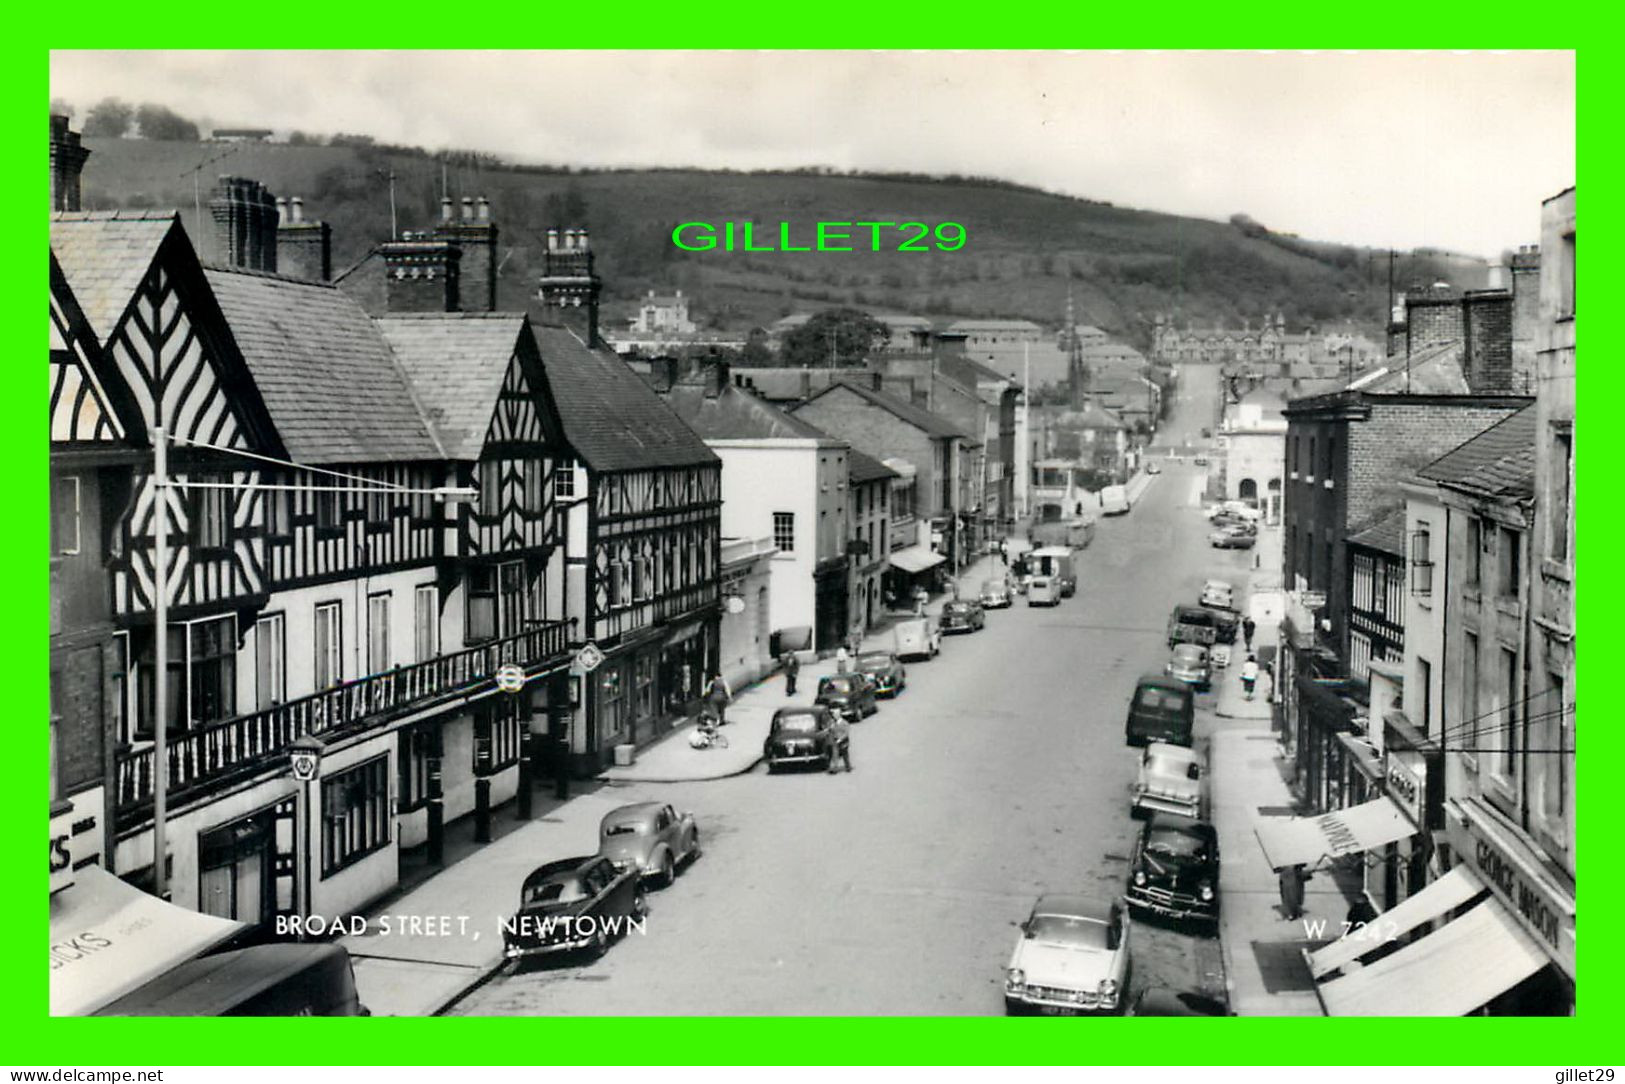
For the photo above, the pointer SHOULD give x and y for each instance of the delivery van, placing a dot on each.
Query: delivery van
(1043, 591)
(267, 980)
(1056, 562)
(1163, 709)
(917, 638)
(1114, 500)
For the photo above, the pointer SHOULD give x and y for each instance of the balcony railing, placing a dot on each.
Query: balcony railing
(243, 743)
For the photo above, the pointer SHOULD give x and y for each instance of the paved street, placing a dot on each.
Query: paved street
(1000, 773)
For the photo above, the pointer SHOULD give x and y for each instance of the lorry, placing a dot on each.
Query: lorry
(1056, 563)
(1114, 500)
(1193, 625)
(1077, 532)
(281, 979)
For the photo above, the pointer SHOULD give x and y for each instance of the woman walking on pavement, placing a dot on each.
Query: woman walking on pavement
(1249, 675)
(719, 696)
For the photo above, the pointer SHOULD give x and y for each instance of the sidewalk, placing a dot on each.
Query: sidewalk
(672, 760)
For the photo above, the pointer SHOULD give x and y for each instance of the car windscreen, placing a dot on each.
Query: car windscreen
(1171, 843)
(993, 586)
(1069, 930)
(1155, 698)
(548, 892)
(800, 723)
(1167, 765)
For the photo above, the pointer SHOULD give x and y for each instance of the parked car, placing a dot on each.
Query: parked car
(650, 837)
(1043, 591)
(1234, 537)
(574, 904)
(1073, 956)
(963, 616)
(1114, 501)
(884, 671)
(1192, 625)
(1230, 519)
(1219, 593)
(801, 736)
(1175, 870)
(1162, 709)
(1170, 781)
(917, 638)
(1201, 461)
(997, 593)
(1153, 467)
(1161, 1001)
(853, 694)
(1219, 656)
(1189, 664)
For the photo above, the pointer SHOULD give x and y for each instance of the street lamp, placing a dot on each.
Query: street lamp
(305, 760)
(162, 484)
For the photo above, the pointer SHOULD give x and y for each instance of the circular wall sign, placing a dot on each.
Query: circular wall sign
(736, 605)
(510, 677)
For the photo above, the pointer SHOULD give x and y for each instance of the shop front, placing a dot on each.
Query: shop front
(1323, 713)
(912, 568)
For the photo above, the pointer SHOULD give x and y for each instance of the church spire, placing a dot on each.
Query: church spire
(1077, 376)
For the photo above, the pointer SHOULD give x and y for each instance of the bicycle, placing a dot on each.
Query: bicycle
(707, 735)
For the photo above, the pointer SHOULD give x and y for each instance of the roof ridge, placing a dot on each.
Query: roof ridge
(259, 273)
(504, 315)
(116, 215)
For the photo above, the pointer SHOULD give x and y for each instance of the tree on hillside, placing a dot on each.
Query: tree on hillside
(161, 122)
(109, 117)
(835, 337)
(756, 350)
(566, 210)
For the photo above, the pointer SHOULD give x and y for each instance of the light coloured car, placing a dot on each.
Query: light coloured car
(1219, 593)
(997, 593)
(1073, 956)
(652, 838)
(918, 638)
(1232, 538)
(1189, 664)
(1170, 781)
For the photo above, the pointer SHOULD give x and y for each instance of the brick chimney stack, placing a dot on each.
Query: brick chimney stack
(421, 274)
(67, 163)
(568, 288)
(476, 235)
(245, 219)
(1525, 274)
(304, 249)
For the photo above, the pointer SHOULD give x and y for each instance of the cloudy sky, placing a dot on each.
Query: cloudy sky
(1402, 149)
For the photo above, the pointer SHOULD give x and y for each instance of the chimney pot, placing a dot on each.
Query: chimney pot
(296, 207)
(482, 209)
(552, 240)
(282, 210)
(581, 240)
(468, 209)
(445, 208)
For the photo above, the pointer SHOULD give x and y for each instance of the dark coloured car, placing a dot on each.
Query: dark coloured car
(650, 837)
(1175, 871)
(853, 694)
(1161, 1001)
(963, 616)
(575, 904)
(801, 736)
(1162, 709)
(1234, 537)
(885, 671)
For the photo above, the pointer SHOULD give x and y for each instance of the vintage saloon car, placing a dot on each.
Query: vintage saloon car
(997, 594)
(1234, 537)
(885, 671)
(1170, 781)
(1175, 871)
(1189, 663)
(574, 904)
(650, 837)
(801, 736)
(963, 616)
(1073, 956)
(853, 694)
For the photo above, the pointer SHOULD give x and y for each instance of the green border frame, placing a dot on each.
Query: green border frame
(1588, 1038)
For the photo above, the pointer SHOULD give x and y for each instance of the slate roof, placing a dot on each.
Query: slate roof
(326, 373)
(456, 363)
(1435, 370)
(984, 371)
(934, 424)
(865, 468)
(1386, 534)
(994, 325)
(104, 255)
(736, 414)
(1499, 462)
(1092, 416)
(612, 418)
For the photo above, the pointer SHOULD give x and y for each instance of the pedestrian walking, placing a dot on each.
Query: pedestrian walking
(719, 696)
(841, 659)
(840, 744)
(1249, 676)
(792, 668)
(1248, 625)
(854, 644)
(920, 599)
(1292, 881)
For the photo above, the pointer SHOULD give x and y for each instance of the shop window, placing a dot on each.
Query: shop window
(234, 870)
(355, 814)
(417, 749)
(645, 671)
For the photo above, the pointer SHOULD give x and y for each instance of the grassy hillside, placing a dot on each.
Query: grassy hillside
(1025, 248)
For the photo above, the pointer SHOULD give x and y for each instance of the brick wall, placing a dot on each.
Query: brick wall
(1430, 321)
(1399, 437)
(1525, 316)
(1487, 317)
(880, 434)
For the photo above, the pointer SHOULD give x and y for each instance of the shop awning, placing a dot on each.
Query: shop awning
(1439, 898)
(1450, 972)
(1307, 841)
(108, 937)
(916, 559)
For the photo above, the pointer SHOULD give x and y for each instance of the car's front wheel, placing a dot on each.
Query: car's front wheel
(668, 871)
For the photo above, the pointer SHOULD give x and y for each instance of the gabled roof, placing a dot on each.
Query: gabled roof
(330, 383)
(920, 418)
(611, 417)
(105, 255)
(983, 371)
(865, 468)
(1092, 416)
(456, 363)
(1499, 462)
(1386, 534)
(736, 414)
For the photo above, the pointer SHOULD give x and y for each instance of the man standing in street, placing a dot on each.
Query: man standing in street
(719, 696)
(1247, 628)
(840, 747)
(1292, 879)
(792, 667)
